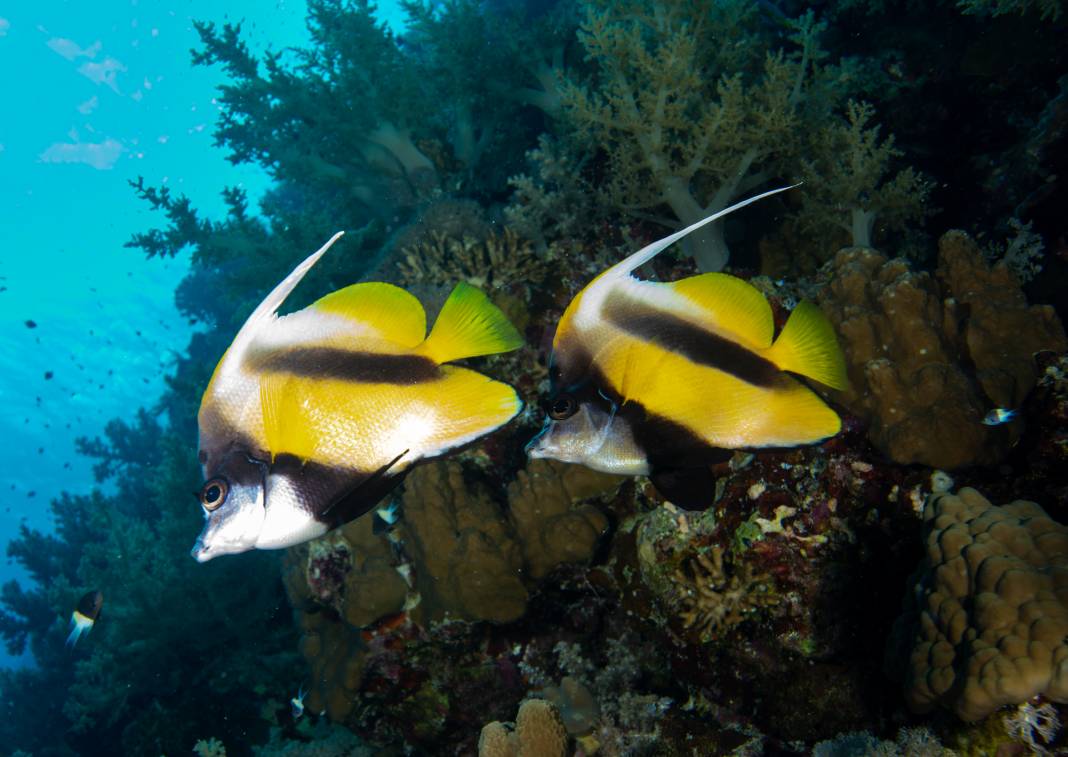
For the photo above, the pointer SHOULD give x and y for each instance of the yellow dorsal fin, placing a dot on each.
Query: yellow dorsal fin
(469, 325)
(392, 313)
(283, 425)
(733, 306)
(808, 346)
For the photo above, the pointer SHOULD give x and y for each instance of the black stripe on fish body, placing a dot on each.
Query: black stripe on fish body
(334, 496)
(691, 341)
(345, 365)
(89, 605)
(667, 444)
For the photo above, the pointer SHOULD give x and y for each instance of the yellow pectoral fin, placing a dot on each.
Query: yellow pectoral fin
(730, 306)
(287, 424)
(386, 310)
(469, 325)
(808, 346)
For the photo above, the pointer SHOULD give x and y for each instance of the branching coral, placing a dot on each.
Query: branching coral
(555, 202)
(849, 183)
(712, 599)
(497, 262)
(686, 118)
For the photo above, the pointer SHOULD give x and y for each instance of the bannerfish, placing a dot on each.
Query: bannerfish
(999, 415)
(311, 418)
(84, 616)
(664, 379)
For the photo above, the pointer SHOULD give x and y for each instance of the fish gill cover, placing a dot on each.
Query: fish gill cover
(545, 141)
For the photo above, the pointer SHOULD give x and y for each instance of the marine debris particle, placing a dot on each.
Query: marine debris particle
(31, 324)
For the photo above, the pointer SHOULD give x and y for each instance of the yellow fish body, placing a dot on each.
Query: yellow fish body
(650, 377)
(312, 417)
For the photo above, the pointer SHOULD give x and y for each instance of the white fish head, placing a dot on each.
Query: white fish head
(233, 502)
(588, 431)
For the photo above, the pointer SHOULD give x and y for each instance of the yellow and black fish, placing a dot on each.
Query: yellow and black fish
(312, 417)
(84, 616)
(656, 378)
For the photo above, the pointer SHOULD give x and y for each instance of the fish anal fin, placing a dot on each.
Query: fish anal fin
(469, 325)
(390, 312)
(730, 305)
(808, 346)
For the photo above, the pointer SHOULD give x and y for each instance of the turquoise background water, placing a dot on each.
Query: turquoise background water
(94, 95)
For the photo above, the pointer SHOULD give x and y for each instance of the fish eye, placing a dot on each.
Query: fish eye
(213, 493)
(563, 407)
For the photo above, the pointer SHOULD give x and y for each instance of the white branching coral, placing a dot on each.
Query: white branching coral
(849, 183)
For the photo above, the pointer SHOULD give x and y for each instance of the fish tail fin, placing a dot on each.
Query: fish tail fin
(78, 628)
(647, 253)
(808, 346)
(469, 325)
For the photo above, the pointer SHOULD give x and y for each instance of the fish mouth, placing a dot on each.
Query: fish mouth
(201, 552)
(533, 448)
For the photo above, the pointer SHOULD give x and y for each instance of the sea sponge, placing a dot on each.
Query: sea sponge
(987, 617)
(928, 357)
(542, 507)
(539, 732)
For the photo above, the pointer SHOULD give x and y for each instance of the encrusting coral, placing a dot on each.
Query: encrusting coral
(539, 732)
(546, 509)
(987, 618)
(468, 562)
(928, 356)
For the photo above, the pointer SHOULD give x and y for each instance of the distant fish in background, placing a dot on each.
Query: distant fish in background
(663, 379)
(999, 415)
(84, 616)
(297, 703)
(312, 417)
(386, 517)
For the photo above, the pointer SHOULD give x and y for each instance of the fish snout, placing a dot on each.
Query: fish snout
(201, 552)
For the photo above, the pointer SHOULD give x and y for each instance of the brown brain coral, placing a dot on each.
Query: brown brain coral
(929, 356)
(987, 619)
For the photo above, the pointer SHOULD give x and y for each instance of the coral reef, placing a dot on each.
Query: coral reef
(849, 184)
(692, 107)
(929, 356)
(712, 600)
(986, 620)
(497, 262)
(538, 732)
